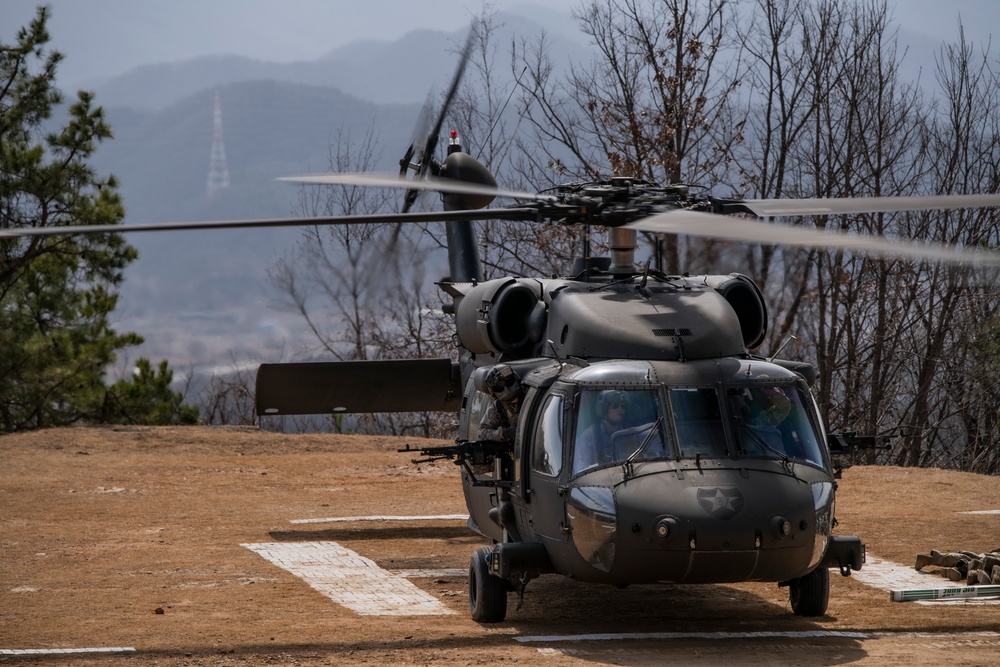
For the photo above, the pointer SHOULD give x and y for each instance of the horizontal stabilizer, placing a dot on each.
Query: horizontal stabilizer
(393, 385)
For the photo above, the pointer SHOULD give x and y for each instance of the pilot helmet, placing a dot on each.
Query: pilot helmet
(609, 397)
(502, 382)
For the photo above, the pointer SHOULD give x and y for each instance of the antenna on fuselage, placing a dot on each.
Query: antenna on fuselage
(780, 348)
(552, 346)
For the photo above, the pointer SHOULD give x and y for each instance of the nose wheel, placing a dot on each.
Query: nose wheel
(810, 594)
(487, 592)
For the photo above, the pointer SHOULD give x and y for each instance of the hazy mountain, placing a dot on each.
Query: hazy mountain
(197, 297)
(211, 283)
(271, 129)
(399, 71)
(106, 38)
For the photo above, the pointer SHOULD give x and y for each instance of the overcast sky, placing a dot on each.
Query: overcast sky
(103, 38)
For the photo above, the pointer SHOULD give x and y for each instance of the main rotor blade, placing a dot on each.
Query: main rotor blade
(778, 207)
(426, 183)
(426, 157)
(711, 225)
(445, 216)
(418, 138)
(432, 138)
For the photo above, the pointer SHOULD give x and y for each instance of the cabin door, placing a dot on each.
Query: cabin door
(545, 500)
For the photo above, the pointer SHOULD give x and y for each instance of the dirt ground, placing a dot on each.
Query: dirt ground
(132, 538)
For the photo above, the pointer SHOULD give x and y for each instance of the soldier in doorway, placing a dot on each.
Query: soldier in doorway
(499, 422)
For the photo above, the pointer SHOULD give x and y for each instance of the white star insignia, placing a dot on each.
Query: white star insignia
(721, 501)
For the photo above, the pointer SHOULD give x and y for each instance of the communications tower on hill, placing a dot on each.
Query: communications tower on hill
(218, 172)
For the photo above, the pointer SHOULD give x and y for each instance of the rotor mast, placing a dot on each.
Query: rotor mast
(464, 265)
(622, 244)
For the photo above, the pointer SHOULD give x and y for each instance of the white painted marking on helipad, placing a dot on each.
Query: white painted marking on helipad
(337, 519)
(64, 651)
(982, 512)
(619, 636)
(888, 576)
(805, 634)
(351, 580)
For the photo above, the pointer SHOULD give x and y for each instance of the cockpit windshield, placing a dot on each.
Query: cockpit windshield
(698, 418)
(618, 425)
(773, 422)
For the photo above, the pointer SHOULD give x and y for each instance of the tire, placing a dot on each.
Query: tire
(487, 593)
(810, 594)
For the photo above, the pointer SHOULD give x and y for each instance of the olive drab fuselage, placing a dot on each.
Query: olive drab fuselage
(689, 493)
(719, 470)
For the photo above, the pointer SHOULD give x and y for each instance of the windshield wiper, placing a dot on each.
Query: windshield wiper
(786, 462)
(627, 463)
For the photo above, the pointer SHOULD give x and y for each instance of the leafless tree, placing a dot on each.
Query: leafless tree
(888, 337)
(228, 399)
(954, 391)
(657, 101)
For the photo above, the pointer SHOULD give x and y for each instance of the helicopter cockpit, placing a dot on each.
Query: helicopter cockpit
(772, 420)
(763, 419)
(616, 425)
(653, 460)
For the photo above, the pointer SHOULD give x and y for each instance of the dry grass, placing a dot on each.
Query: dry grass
(102, 527)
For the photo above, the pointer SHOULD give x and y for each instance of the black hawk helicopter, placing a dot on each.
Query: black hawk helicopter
(649, 444)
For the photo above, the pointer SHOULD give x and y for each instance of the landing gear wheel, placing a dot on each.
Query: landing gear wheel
(810, 594)
(487, 593)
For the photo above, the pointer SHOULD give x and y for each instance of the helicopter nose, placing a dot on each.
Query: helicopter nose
(717, 527)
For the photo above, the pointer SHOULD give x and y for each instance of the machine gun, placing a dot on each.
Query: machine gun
(475, 456)
(848, 442)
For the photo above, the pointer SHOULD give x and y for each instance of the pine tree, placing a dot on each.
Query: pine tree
(146, 398)
(56, 293)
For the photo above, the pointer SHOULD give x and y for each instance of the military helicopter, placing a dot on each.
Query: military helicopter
(649, 444)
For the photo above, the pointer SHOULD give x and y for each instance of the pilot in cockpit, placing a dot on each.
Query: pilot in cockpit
(762, 410)
(593, 446)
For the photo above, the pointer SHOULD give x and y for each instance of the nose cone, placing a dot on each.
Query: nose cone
(715, 526)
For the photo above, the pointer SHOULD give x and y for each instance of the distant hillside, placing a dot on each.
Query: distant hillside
(200, 297)
(271, 129)
(401, 71)
(190, 289)
(379, 72)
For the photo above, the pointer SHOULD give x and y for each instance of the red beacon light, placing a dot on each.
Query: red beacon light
(454, 145)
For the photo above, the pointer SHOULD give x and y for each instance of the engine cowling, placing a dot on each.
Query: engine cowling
(501, 316)
(744, 296)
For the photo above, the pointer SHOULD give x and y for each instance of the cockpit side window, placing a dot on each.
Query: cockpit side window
(616, 425)
(476, 408)
(773, 421)
(546, 453)
(698, 420)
